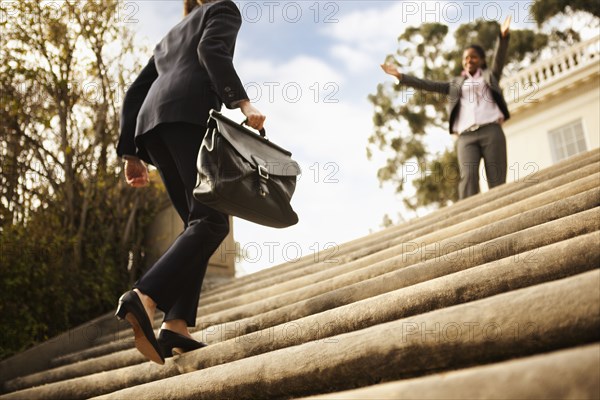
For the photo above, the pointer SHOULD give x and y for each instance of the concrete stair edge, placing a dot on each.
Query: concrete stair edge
(562, 374)
(96, 330)
(394, 353)
(531, 268)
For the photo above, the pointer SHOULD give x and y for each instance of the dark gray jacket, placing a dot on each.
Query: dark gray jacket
(190, 72)
(453, 88)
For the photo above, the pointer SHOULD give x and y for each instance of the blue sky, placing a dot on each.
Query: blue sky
(311, 74)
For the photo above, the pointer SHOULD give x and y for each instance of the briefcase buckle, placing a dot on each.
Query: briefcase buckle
(263, 172)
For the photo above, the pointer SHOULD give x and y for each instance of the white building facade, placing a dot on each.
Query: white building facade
(555, 110)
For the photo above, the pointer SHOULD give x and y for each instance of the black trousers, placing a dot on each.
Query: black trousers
(488, 142)
(175, 280)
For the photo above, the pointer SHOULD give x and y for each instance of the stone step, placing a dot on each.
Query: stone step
(507, 245)
(542, 318)
(514, 220)
(398, 273)
(518, 237)
(39, 358)
(120, 341)
(518, 270)
(563, 374)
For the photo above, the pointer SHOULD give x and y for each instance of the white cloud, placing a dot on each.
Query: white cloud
(302, 69)
(152, 19)
(362, 39)
(354, 60)
(367, 27)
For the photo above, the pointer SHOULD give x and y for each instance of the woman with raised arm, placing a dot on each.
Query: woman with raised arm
(477, 109)
(163, 123)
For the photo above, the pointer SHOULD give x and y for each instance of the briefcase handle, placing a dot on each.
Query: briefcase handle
(262, 132)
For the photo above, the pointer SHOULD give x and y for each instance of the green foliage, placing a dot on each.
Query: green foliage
(543, 10)
(30, 278)
(439, 186)
(565, 18)
(68, 222)
(43, 292)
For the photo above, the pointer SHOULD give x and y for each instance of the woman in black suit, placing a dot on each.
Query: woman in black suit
(163, 123)
(477, 109)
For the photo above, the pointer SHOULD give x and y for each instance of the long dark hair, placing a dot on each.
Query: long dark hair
(189, 5)
(480, 52)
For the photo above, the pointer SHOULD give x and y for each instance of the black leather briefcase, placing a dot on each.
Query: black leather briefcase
(242, 173)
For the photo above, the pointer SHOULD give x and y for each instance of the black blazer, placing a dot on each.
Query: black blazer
(453, 88)
(190, 73)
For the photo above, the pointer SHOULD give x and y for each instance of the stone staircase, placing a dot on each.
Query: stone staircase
(497, 296)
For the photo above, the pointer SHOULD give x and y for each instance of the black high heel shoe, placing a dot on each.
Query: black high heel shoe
(172, 343)
(132, 309)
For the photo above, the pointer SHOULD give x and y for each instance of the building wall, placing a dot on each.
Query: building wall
(526, 132)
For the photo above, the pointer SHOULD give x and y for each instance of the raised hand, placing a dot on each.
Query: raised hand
(505, 26)
(391, 69)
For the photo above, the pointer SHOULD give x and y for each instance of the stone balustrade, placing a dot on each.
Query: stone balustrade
(525, 86)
